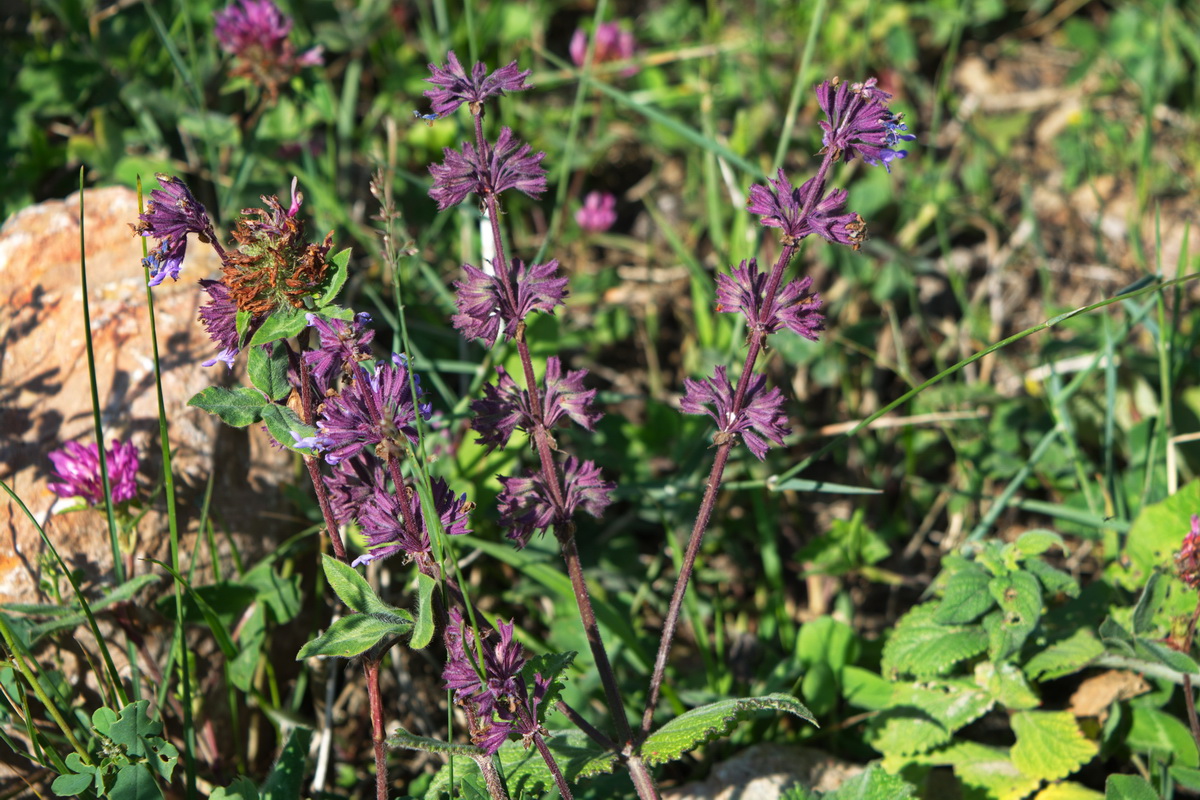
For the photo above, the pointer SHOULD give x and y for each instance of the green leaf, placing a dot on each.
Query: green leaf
(268, 371)
(1065, 657)
(1157, 651)
(287, 776)
(1129, 787)
(965, 598)
(550, 666)
(70, 785)
(403, 740)
(693, 728)
(242, 788)
(1007, 685)
(337, 279)
(1019, 596)
(1162, 735)
(352, 588)
(1155, 536)
(923, 716)
(1068, 790)
(862, 688)
(848, 545)
(286, 428)
(282, 323)
(921, 647)
(986, 768)
(1148, 604)
(526, 774)
(1034, 543)
(355, 634)
(1049, 745)
(423, 630)
(1187, 777)
(67, 617)
(237, 407)
(1054, 581)
(134, 782)
(873, 783)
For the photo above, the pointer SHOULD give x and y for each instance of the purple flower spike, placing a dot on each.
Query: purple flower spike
(761, 418)
(505, 165)
(172, 213)
(458, 88)
(1188, 558)
(612, 44)
(795, 307)
(383, 523)
(256, 34)
(219, 318)
(485, 302)
(79, 468)
(860, 123)
(375, 410)
(783, 206)
(526, 505)
(598, 213)
(342, 346)
(351, 484)
(505, 407)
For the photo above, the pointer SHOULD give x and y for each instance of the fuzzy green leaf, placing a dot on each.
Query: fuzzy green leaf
(1065, 657)
(1034, 543)
(423, 629)
(281, 323)
(1049, 744)
(1129, 787)
(335, 281)
(550, 666)
(923, 716)
(70, 785)
(355, 634)
(1019, 596)
(874, 783)
(268, 371)
(1162, 735)
(286, 427)
(237, 407)
(1054, 581)
(922, 648)
(286, 778)
(965, 598)
(978, 766)
(693, 728)
(1006, 684)
(1157, 651)
(352, 588)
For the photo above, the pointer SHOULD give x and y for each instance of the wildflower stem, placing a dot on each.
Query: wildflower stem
(371, 669)
(563, 788)
(308, 406)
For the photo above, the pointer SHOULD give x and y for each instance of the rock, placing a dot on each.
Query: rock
(45, 397)
(765, 772)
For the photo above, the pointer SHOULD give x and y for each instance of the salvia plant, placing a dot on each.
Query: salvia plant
(1001, 624)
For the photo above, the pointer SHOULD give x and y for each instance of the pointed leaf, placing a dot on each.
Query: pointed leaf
(1049, 745)
(287, 776)
(1065, 657)
(423, 629)
(352, 588)
(1034, 543)
(1162, 735)
(282, 323)
(965, 598)
(693, 728)
(268, 371)
(237, 407)
(287, 428)
(335, 281)
(921, 647)
(1019, 596)
(355, 634)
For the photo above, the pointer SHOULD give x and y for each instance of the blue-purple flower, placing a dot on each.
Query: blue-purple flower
(376, 410)
(860, 123)
(78, 467)
(760, 418)
(527, 505)
(255, 33)
(351, 482)
(485, 302)
(797, 213)
(171, 214)
(341, 346)
(793, 307)
(508, 164)
(382, 520)
(219, 318)
(506, 407)
(456, 87)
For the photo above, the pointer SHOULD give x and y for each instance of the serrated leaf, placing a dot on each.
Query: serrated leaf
(873, 783)
(1065, 657)
(1019, 596)
(965, 597)
(550, 666)
(1068, 790)
(353, 589)
(337, 279)
(1128, 787)
(921, 647)
(1007, 685)
(693, 728)
(526, 774)
(403, 740)
(1157, 651)
(352, 635)
(1162, 735)
(987, 768)
(237, 407)
(1049, 745)
(1154, 536)
(282, 323)
(1054, 581)
(286, 427)
(1034, 543)
(923, 716)
(423, 629)
(268, 371)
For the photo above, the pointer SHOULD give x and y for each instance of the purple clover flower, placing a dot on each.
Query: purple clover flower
(342, 345)
(219, 318)
(351, 483)
(79, 468)
(456, 87)
(502, 166)
(172, 213)
(487, 301)
(784, 206)
(860, 123)
(795, 307)
(612, 44)
(598, 212)
(760, 418)
(255, 32)
(383, 524)
(1187, 560)
(506, 407)
(526, 504)
(376, 409)
(499, 703)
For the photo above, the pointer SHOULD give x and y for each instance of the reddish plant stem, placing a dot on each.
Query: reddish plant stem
(1189, 694)
(371, 669)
